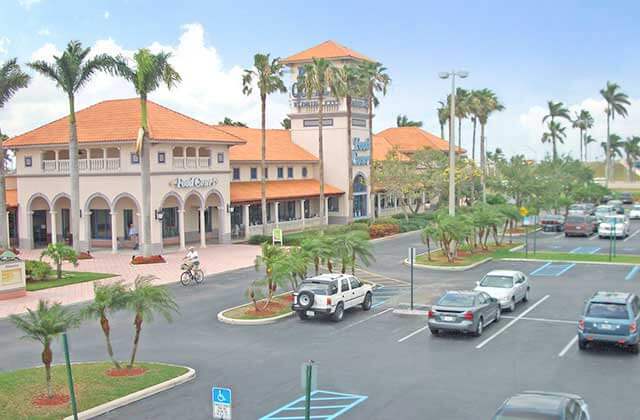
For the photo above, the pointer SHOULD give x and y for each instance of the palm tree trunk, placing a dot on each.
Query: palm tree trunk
(263, 151)
(555, 150)
(350, 159)
(629, 169)
(47, 358)
(442, 131)
(581, 136)
(321, 157)
(371, 211)
(138, 324)
(106, 329)
(483, 159)
(4, 233)
(607, 157)
(75, 177)
(473, 143)
(460, 132)
(353, 263)
(145, 168)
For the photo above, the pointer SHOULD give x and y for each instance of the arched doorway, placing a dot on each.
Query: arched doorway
(61, 219)
(214, 217)
(127, 219)
(40, 221)
(360, 197)
(192, 207)
(171, 226)
(98, 210)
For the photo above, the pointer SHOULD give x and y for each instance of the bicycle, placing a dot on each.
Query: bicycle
(191, 273)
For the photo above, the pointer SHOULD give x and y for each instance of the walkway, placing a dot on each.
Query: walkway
(214, 259)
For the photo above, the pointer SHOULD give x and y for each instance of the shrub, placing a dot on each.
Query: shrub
(37, 270)
(360, 226)
(60, 253)
(389, 220)
(259, 239)
(379, 230)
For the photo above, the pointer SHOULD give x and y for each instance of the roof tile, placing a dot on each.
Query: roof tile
(279, 145)
(328, 49)
(244, 192)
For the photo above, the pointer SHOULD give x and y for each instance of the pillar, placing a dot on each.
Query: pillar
(245, 220)
(181, 228)
(326, 211)
(378, 204)
(302, 212)
(54, 228)
(203, 229)
(8, 230)
(114, 232)
(276, 207)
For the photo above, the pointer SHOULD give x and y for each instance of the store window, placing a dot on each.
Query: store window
(333, 204)
(359, 197)
(135, 158)
(254, 173)
(100, 224)
(289, 172)
(162, 157)
(220, 157)
(236, 174)
(280, 172)
(255, 214)
(266, 173)
(304, 172)
(127, 217)
(170, 228)
(28, 161)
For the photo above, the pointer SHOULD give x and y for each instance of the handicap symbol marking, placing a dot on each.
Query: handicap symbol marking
(221, 396)
(552, 269)
(325, 405)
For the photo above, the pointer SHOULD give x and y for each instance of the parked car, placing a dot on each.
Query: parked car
(615, 225)
(330, 295)
(579, 225)
(626, 198)
(581, 208)
(605, 199)
(463, 311)
(611, 317)
(544, 406)
(508, 286)
(603, 211)
(552, 223)
(617, 206)
(634, 213)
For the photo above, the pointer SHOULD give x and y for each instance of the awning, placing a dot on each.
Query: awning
(12, 198)
(250, 192)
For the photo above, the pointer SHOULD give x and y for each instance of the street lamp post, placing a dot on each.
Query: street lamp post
(452, 136)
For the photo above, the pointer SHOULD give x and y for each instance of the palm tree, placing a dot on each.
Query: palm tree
(632, 151)
(377, 81)
(108, 298)
(616, 104)
(588, 139)
(43, 325)
(443, 117)
(403, 121)
(474, 108)
(286, 123)
(267, 74)
(229, 121)
(582, 122)
(149, 72)
(613, 148)
(462, 110)
(318, 248)
(316, 79)
(145, 300)
(71, 71)
(269, 258)
(12, 79)
(350, 246)
(488, 104)
(555, 134)
(556, 110)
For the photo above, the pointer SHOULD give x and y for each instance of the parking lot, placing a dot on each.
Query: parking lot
(375, 364)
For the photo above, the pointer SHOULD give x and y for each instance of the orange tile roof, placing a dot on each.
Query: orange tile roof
(328, 49)
(279, 145)
(119, 120)
(382, 147)
(412, 139)
(12, 198)
(246, 192)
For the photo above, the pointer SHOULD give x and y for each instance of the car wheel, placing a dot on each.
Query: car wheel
(566, 235)
(366, 303)
(498, 314)
(512, 306)
(305, 299)
(479, 327)
(434, 331)
(303, 316)
(582, 344)
(339, 313)
(634, 348)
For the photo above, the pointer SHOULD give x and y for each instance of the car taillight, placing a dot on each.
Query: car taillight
(430, 314)
(328, 301)
(633, 328)
(468, 316)
(581, 325)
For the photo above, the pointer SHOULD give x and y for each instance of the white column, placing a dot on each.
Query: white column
(203, 229)
(276, 207)
(379, 205)
(54, 233)
(114, 232)
(181, 228)
(245, 219)
(8, 231)
(302, 212)
(326, 211)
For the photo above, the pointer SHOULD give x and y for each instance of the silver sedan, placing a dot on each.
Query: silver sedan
(463, 311)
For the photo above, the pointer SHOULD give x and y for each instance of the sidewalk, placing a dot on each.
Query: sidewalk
(214, 259)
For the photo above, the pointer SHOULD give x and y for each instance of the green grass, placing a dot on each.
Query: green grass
(68, 277)
(438, 258)
(93, 387)
(565, 256)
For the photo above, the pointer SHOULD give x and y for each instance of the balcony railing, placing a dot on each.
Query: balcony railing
(191, 162)
(94, 165)
(311, 106)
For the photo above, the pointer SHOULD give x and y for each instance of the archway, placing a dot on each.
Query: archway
(99, 222)
(172, 206)
(61, 205)
(39, 221)
(127, 220)
(193, 204)
(215, 213)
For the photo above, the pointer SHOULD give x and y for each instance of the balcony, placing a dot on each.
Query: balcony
(191, 162)
(95, 165)
(313, 106)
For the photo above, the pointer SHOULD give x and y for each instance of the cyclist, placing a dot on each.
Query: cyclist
(192, 259)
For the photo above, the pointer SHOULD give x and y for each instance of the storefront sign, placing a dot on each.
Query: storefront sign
(195, 182)
(360, 152)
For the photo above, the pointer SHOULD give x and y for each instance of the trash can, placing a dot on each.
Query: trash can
(12, 276)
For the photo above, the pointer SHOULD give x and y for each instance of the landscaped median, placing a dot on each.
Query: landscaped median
(256, 313)
(22, 394)
(464, 260)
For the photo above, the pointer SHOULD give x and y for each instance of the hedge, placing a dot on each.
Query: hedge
(379, 230)
(37, 270)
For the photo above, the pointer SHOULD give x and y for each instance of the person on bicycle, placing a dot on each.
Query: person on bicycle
(192, 258)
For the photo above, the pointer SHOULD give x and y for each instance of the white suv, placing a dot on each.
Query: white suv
(331, 294)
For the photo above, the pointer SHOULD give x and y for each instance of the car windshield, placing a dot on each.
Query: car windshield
(604, 210)
(575, 219)
(319, 288)
(577, 207)
(456, 299)
(608, 310)
(497, 281)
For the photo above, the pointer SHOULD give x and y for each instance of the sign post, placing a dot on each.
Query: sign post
(524, 212)
(412, 258)
(221, 399)
(72, 392)
(535, 232)
(309, 382)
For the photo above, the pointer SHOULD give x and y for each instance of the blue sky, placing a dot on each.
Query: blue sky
(527, 52)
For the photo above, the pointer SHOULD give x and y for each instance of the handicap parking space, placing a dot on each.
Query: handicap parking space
(551, 269)
(325, 405)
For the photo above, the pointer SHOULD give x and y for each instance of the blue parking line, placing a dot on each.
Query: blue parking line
(350, 401)
(534, 272)
(378, 304)
(564, 270)
(632, 273)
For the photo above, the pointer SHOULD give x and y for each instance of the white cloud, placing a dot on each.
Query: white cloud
(107, 14)
(209, 91)
(28, 3)
(4, 44)
(44, 32)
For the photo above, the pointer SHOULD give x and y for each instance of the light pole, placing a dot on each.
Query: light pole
(452, 136)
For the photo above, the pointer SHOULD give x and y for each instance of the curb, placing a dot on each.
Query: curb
(136, 396)
(404, 309)
(446, 268)
(569, 261)
(263, 321)
(397, 235)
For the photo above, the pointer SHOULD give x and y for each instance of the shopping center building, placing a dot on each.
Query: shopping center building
(205, 185)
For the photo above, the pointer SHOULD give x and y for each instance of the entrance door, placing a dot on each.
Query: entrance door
(40, 228)
(66, 223)
(127, 216)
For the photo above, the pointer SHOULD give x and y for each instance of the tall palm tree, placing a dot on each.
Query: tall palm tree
(443, 117)
(12, 79)
(488, 104)
(583, 121)
(612, 148)
(108, 298)
(462, 110)
(149, 72)
(145, 300)
(268, 75)
(377, 81)
(556, 110)
(557, 133)
(318, 78)
(229, 121)
(404, 121)
(617, 103)
(44, 324)
(72, 71)
(286, 123)
(632, 151)
(351, 84)
(588, 139)
(474, 108)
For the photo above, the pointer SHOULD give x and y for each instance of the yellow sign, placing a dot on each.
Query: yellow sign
(523, 211)
(10, 277)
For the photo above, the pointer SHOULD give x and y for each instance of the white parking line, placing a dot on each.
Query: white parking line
(631, 236)
(513, 321)
(558, 236)
(366, 319)
(553, 321)
(568, 346)
(418, 331)
(595, 236)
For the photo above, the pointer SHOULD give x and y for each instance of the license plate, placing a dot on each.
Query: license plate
(310, 313)
(606, 326)
(448, 318)
(578, 227)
